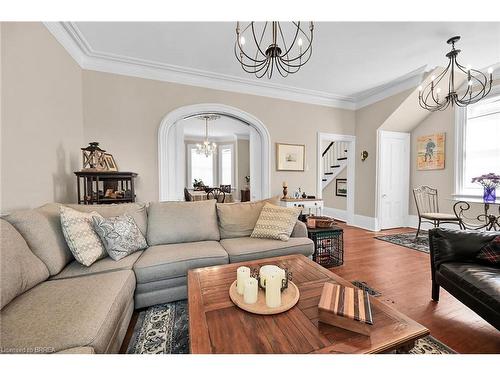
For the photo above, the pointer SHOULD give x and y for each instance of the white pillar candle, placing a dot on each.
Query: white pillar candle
(269, 270)
(251, 291)
(273, 290)
(242, 273)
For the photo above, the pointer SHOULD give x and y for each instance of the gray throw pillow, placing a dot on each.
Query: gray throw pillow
(120, 235)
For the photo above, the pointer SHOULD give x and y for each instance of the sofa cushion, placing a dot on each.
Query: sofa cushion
(120, 235)
(238, 219)
(168, 261)
(248, 248)
(20, 269)
(490, 253)
(136, 210)
(41, 228)
(480, 281)
(83, 241)
(175, 222)
(275, 222)
(63, 314)
(75, 269)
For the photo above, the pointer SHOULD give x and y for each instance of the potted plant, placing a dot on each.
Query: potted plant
(198, 185)
(247, 180)
(489, 181)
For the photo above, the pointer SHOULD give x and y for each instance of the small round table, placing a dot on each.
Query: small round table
(489, 220)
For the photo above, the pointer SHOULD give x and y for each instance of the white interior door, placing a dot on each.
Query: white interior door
(393, 179)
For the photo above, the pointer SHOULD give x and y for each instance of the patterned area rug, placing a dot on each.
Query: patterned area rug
(163, 329)
(408, 240)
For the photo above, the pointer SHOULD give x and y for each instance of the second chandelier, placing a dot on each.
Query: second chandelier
(273, 47)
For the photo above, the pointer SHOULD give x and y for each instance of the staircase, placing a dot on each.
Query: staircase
(334, 161)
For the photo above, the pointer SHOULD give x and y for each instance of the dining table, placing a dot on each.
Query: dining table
(488, 219)
(201, 195)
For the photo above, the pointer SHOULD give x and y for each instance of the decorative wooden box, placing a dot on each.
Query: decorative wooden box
(345, 307)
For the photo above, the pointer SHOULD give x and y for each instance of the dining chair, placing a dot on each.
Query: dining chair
(426, 200)
(226, 188)
(217, 194)
(187, 195)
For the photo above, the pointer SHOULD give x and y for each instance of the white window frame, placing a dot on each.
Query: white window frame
(460, 152)
(220, 147)
(189, 177)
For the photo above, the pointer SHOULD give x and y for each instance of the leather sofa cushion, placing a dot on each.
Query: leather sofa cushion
(481, 282)
(20, 269)
(239, 219)
(75, 269)
(64, 314)
(248, 248)
(169, 261)
(175, 222)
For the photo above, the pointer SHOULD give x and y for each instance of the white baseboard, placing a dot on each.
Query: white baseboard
(413, 223)
(365, 222)
(335, 213)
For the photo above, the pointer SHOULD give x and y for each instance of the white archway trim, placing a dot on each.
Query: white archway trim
(168, 158)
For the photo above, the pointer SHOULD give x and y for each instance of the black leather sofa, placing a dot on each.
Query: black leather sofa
(456, 269)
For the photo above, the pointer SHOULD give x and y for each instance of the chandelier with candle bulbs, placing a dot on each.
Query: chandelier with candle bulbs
(478, 84)
(207, 148)
(262, 49)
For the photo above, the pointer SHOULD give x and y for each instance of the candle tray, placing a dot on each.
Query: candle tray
(289, 298)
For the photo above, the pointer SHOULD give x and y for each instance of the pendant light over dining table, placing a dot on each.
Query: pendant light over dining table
(262, 49)
(207, 148)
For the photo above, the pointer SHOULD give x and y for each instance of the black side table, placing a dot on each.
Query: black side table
(328, 245)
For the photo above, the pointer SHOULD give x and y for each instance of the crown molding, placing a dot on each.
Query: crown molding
(71, 38)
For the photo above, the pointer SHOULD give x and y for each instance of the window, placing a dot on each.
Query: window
(226, 167)
(478, 144)
(200, 166)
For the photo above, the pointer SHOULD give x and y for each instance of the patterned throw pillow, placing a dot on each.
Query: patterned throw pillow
(80, 236)
(120, 235)
(276, 222)
(490, 253)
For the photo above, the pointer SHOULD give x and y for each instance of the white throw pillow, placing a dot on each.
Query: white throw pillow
(276, 222)
(82, 240)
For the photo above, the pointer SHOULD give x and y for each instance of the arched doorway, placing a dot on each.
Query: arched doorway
(171, 150)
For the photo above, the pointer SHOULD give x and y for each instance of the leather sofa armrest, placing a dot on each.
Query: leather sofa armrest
(299, 230)
(448, 245)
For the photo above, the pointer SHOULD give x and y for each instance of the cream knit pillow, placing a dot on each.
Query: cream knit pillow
(276, 222)
(82, 240)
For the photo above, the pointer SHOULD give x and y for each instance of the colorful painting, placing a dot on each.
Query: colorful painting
(430, 152)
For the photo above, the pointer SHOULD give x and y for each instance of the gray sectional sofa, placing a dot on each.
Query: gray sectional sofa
(51, 303)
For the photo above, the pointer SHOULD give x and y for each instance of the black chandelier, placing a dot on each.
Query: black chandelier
(271, 50)
(478, 85)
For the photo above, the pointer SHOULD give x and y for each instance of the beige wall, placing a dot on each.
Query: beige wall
(124, 113)
(329, 197)
(41, 95)
(243, 147)
(368, 120)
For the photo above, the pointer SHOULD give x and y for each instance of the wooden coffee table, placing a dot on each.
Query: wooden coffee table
(216, 325)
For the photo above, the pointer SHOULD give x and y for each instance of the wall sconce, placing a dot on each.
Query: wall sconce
(364, 155)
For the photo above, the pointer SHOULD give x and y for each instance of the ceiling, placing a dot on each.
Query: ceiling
(351, 60)
(224, 127)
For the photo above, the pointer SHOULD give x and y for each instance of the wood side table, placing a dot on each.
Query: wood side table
(92, 186)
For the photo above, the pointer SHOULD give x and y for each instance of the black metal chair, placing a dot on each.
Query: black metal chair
(217, 194)
(187, 195)
(426, 200)
(226, 188)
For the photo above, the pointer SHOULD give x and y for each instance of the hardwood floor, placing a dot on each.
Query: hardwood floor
(403, 277)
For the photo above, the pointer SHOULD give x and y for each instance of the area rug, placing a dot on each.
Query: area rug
(163, 329)
(408, 240)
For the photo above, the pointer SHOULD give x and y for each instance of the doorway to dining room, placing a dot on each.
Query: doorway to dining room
(217, 145)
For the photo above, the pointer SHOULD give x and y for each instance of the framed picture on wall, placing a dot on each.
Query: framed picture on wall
(110, 163)
(290, 157)
(341, 187)
(430, 152)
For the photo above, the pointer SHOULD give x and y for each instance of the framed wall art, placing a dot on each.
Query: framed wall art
(430, 152)
(110, 163)
(290, 157)
(341, 187)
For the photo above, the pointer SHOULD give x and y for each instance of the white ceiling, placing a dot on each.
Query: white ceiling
(350, 59)
(224, 127)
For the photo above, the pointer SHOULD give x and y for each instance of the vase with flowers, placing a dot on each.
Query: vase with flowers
(490, 182)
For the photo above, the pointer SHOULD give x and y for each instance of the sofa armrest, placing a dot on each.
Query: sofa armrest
(448, 245)
(299, 230)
